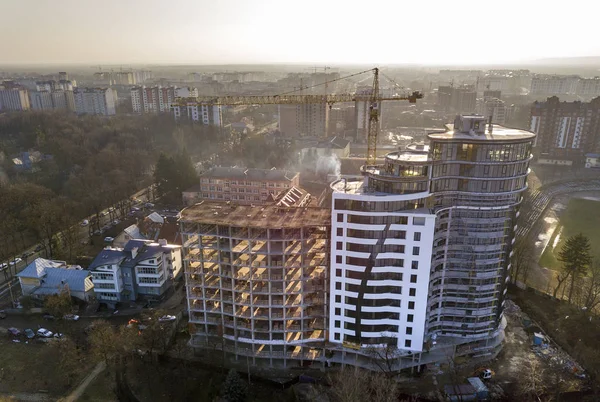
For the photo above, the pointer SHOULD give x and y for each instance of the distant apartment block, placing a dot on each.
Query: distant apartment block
(554, 84)
(13, 97)
(461, 99)
(588, 87)
(94, 101)
(566, 131)
(191, 110)
(141, 269)
(241, 185)
(305, 120)
(493, 108)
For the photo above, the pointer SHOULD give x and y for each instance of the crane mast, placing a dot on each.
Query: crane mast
(374, 103)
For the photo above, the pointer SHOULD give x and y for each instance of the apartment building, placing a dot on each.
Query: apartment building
(205, 113)
(542, 84)
(41, 100)
(493, 108)
(420, 248)
(13, 97)
(141, 269)
(460, 99)
(256, 280)
(566, 131)
(304, 120)
(155, 99)
(588, 87)
(94, 101)
(242, 185)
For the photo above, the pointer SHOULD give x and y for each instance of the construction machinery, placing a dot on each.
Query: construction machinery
(292, 98)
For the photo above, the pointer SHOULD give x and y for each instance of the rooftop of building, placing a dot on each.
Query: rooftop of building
(250, 174)
(475, 128)
(264, 216)
(413, 153)
(328, 143)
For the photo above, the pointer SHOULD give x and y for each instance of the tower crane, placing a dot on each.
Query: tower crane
(290, 98)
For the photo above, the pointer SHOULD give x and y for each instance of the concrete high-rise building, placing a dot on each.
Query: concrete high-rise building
(41, 100)
(255, 281)
(155, 99)
(95, 101)
(304, 120)
(492, 93)
(494, 108)
(554, 84)
(566, 131)
(207, 114)
(13, 97)
(588, 87)
(63, 76)
(420, 248)
(461, 99)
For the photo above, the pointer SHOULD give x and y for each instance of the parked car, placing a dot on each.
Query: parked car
(58, 335)
(48, 316)
(44, 333)
(167, 317)
(116, 222)
(2, 314)
(39, 247)
(14, 332)
(27, 254)
(84, 222)
(135, 209)
(16, 261)
(97, 232)
(29, 333)
(109, 239)
(104, 213)
(111, 209)
(149, 205)
(71, 317)
(3, 266)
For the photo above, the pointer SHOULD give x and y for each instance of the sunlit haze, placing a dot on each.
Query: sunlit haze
(244, 31)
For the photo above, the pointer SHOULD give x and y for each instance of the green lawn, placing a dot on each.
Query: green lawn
(581, 216)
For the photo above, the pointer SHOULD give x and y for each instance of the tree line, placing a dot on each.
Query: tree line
(89, 163)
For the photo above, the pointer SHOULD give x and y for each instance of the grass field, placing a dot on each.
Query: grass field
(580, 216)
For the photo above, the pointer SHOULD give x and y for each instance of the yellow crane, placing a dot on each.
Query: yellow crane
(374, 99)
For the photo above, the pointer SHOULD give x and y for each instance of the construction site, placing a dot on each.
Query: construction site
(256, 280)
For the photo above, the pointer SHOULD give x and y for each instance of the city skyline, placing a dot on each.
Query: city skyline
(244, 32)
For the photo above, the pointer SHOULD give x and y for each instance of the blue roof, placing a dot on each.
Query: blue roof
(108, 256)
(592, 155)
(56, 278)
(37, 267)
(135, 243)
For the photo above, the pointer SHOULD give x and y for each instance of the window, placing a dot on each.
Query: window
(338, 324)
(419, 221)
(340, 231)
(338, 245)
(407, 343)
(338, 311)
(338, 298)
(417, 236)
(340, 217)
(415, 250)
(336, 337)
(486, 170)
(415, 265)
(338, 286)
(413, 279)
(411, 305)
(410, 318)
(412, 292)
(338, 272)
(338, 259)
(408, 330)
(147, 280)
(146, 270)
(484, 185)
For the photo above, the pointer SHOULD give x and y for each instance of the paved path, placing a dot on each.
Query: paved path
(77, 392)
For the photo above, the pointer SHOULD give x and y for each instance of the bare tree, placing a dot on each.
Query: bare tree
(560, 279)
(350, 385)
(531, 384)
(385, 358)
(521, 259)
(69, 359)
(383, 388)
(590, 289)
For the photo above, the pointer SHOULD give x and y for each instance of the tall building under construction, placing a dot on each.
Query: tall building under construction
(410, 263)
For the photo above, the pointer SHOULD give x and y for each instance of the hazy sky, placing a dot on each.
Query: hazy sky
(306, 31)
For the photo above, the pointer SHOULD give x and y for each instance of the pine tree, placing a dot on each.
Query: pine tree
(234, 389)
(576, 258)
